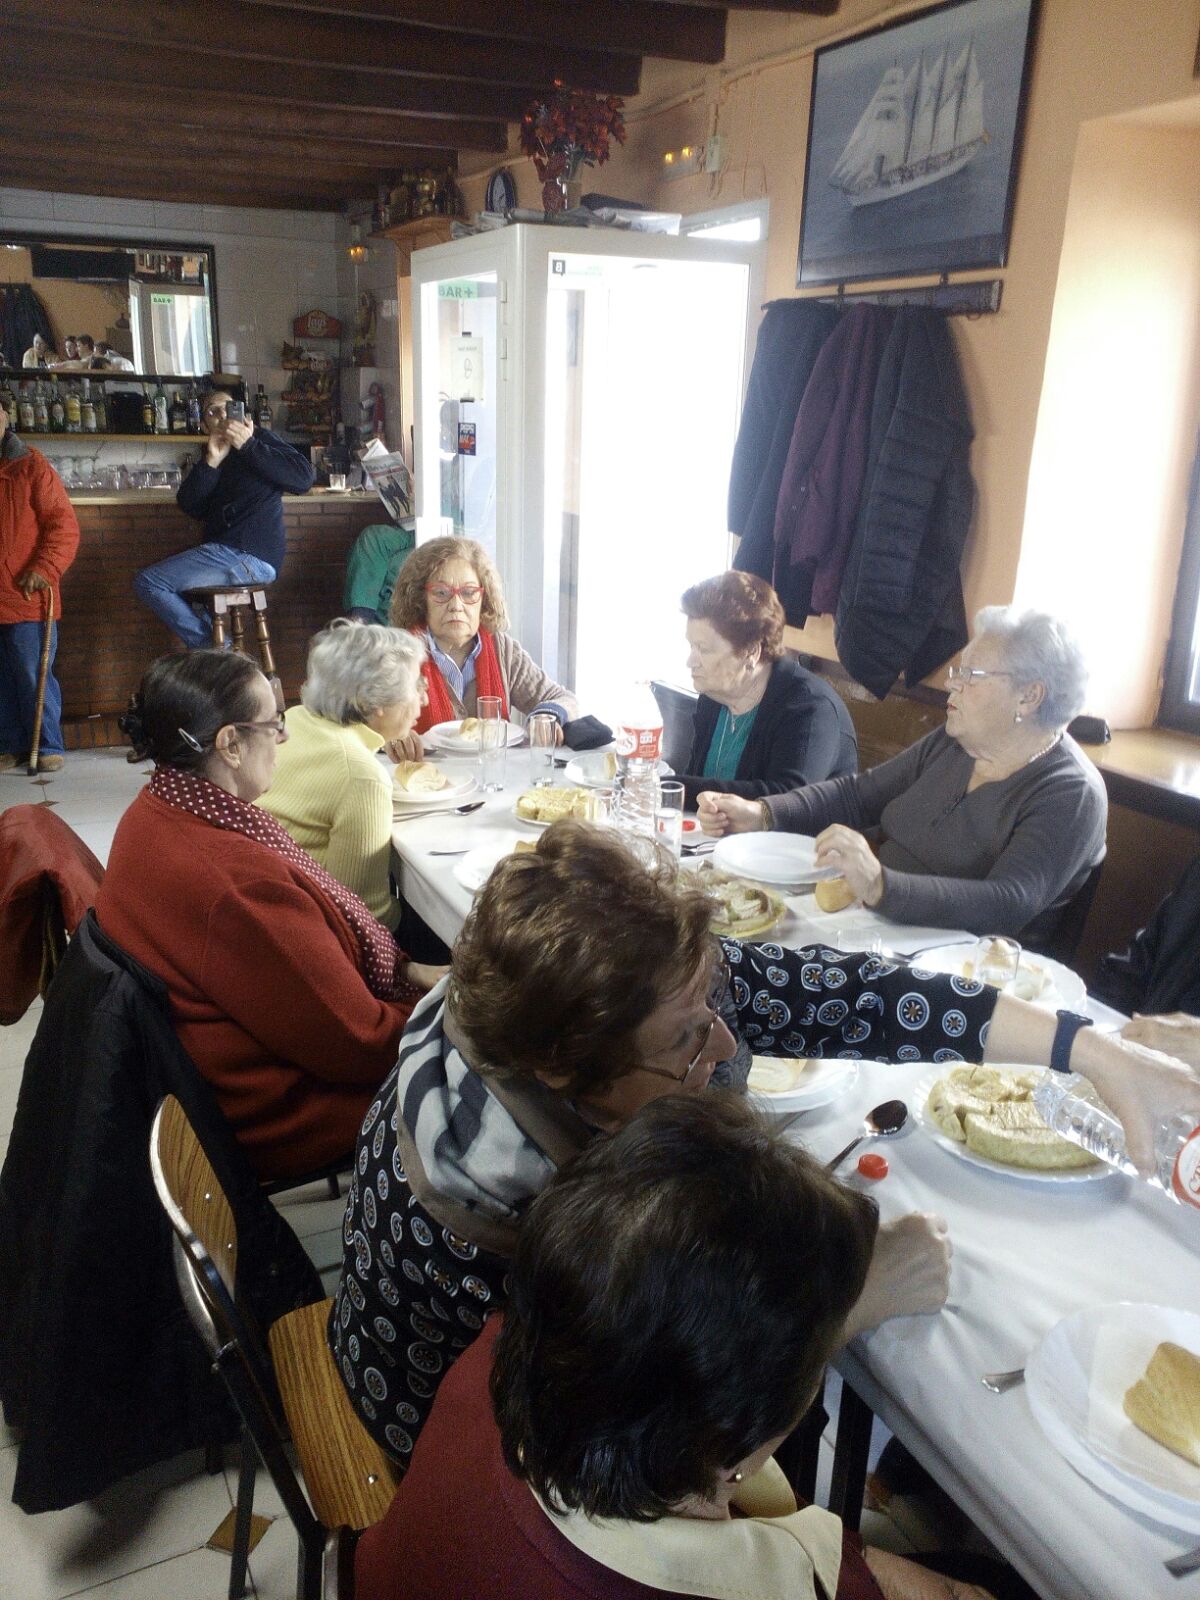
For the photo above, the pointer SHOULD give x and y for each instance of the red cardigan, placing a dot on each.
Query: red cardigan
(461, 1526)
(263, 982)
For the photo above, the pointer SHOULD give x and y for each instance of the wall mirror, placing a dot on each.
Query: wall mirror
(154, 304)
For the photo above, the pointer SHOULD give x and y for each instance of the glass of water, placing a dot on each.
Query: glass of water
(541, 730)
(493, 742)
(668, 817)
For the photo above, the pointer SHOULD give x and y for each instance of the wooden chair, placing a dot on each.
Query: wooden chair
(350, 1482)
(229, 604)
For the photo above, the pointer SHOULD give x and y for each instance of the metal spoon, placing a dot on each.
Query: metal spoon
(437, 811)
(881, 1123)
(1001, 1382)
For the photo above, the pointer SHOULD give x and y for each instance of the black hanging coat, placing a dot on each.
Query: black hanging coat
(789, 342)
(901, 606)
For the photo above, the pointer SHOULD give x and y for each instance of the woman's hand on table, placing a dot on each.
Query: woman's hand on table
(843, 848)
(909, 1273)
(423, 976)
(1175, 1033)
(728, 813)
(901, 1579)
(409, 748)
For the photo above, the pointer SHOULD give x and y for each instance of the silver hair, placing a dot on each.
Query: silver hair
(354, 668)
(1039, 649)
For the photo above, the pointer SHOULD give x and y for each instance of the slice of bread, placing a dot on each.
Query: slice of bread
(1165, 1401)
(419, 777)
(468, 728)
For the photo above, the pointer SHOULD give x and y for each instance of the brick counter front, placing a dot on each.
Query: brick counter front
(107, 638)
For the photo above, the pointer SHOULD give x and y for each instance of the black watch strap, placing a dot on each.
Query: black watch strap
(1069, 1024)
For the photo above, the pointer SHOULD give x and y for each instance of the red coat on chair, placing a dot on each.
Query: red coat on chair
(48, 879)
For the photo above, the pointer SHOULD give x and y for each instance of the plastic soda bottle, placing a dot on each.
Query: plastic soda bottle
(1079, 1119)
(639, 745)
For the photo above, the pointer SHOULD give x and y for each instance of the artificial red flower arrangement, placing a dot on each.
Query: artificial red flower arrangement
(570, 128)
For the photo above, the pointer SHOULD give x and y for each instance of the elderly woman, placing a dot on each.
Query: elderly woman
(286, 992)
(661, 1340)
(992, 824)
(763, 724)
(583, 986)
(363, 690)
(448, 592)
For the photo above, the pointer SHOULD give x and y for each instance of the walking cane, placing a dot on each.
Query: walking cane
(43, 674)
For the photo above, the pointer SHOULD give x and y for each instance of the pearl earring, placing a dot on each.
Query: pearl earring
(1017, 717)
(738, 1476)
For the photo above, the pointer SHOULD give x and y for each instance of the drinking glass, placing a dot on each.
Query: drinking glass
(493, 743)
(997, 961)
(668, 817)
(337, 481)
(541, 729)
(602, 807)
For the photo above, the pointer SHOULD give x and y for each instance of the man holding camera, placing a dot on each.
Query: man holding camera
(236, 490)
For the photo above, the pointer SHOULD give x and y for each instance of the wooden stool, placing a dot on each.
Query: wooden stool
(230, 602)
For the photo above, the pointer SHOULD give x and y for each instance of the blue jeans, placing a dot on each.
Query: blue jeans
(208, 566)
(20, 653)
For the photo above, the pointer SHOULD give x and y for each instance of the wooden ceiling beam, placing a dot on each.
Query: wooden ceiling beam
(224, 170)
(109, 137)
(813, 8)
(141, 188)
(244, 115)
(279, 34)
(193, 75)
(683, 32)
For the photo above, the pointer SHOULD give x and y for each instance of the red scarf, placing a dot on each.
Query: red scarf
(488, 680)
(379, 959)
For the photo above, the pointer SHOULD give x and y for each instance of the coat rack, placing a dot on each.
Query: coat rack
(972, 299)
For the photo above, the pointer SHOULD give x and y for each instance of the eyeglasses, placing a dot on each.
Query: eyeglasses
(276, 725)
(963, 676)
(718, 991)
(443, 593)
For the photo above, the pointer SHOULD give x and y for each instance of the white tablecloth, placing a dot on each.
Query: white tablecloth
(1026, 1255)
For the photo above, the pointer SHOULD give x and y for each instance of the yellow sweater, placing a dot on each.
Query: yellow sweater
(335, 799)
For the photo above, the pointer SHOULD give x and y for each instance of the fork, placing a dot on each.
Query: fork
(1001, 1382)
(1180, 1566)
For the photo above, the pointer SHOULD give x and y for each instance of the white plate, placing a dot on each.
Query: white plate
(474, 869)
(822, 1082)
(782, 858)
(1076, 1380)
(920, 1095)
(1065, 988)
(590, 770)
(445, 736)
(454, 790)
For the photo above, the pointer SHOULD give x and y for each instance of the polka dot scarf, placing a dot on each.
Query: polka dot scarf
(379, 959)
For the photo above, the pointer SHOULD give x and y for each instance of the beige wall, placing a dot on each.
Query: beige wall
(1093, 59)
(72, 307)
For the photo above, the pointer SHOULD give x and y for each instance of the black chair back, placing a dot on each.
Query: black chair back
(678, 707)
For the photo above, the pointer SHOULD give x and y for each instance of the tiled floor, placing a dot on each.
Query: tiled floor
(145, 1539)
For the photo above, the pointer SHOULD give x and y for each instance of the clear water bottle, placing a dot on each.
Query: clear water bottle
(1063, 1107)
(639, 745)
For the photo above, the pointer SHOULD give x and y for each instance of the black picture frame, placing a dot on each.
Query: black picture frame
(914, 139)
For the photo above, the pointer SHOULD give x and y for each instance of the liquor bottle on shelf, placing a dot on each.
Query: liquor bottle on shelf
(25, 409)
(41, 408)
(195, 416)
(87, 408)
(262, 409)
(100, 400)
(147, 411)
(179, 417)
(71, 406)
(58, 411)
(162, 413)
(8, 401)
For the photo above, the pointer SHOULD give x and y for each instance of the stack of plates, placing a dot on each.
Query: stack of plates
(1076, 1381)
(783, 859)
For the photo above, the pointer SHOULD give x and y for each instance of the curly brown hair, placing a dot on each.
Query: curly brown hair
(422, 567)
(743, 609)
(567, 951)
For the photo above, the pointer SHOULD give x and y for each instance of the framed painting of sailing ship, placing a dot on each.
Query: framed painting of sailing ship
(913, 139)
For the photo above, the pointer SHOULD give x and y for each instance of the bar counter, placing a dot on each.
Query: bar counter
(107, 637)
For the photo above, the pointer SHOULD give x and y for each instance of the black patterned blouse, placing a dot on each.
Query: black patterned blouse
(412, 1295)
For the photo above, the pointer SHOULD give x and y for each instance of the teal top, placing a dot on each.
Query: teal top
(728, 742)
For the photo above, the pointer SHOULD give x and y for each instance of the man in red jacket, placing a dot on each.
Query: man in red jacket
(39, 535)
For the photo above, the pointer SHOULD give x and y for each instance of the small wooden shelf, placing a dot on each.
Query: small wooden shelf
(37, 440)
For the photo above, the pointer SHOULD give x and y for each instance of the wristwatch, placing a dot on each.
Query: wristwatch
(1069, 1024)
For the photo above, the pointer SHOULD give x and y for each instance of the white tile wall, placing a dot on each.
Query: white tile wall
(271, 266)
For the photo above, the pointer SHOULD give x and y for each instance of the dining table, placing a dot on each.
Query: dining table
(1028, 1252)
